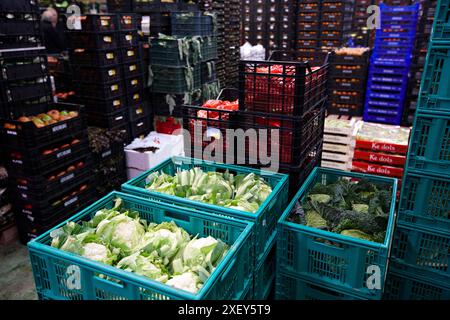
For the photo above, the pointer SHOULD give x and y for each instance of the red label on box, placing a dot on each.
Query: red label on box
(377, 169)
(390, 159)
(382, 147)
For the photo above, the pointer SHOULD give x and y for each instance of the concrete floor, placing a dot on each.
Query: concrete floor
(16, 277)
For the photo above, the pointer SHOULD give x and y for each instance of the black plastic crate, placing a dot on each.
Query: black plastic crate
(140, 127)
(347, 96)
(99, 90)
(347, 70)
(130, 54)
(128, 38)
(154, 6)
(135, 96)
(13, 110)
(110, 120)
(160, 22)
(21, 90)
(291, 87)
(97, 75)
(342, 83)
(132, 69)
(42, 160)
(94, 58)
(294, 136)
(134, 83)
(92, 40)
(19, 24)
(120, 5)
(103, 105)
(346, 109)
(23, 64)
(362, 60)
(99, 22)
(129, 21)
(138, 111)
(19, 6)
(18, 134)
(107, 143)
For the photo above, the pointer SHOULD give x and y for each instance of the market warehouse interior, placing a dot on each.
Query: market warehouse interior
(224, 150)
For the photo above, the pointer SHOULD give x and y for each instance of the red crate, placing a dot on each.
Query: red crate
(383, 158)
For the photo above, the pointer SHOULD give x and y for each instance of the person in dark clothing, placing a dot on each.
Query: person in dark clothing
(54, 40)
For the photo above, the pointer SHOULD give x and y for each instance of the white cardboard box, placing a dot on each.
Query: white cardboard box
(169, 146)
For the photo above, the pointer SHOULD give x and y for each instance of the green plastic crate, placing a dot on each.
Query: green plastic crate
(342, 263)
(290, 287)
(176, 80)
(174, 52)
(430, 144)
(55, 271)
(265, 272)
(423, 252)
(435, 92)
(265, 218)
(208, 48)
(425, 201)
(400, 286)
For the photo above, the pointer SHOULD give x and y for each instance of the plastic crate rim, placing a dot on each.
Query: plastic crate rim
(36, 246)
(346, 239)
(284, 179)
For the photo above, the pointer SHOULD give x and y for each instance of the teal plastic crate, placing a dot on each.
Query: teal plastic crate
(179, 52)
(441, 25)
(341, 262)
(400, 286)
(264, 278)
(265, 218)
(430, 144)
(422, 252)
(56, 271)
(176, 80)
(425, 201)
(290, 287)
(435, 90)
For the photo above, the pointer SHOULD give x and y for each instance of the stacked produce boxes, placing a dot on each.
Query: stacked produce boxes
(336, 22)
(381, 150)
(328, 246)
(390, 63)
(264, 216)
(269, 23)
(348, 81)
(308, 26)
(361, 34)
(339, 141)
(228, 39)
(420, 252)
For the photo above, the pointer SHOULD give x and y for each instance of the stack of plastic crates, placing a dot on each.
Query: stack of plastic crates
(421, 250)
(120, 5)
(104, 56)
(336, 22)
(284, 97)
(390, 63)
(348, 81)
(308, 25)
(316, 264)
(19, 24)
(364, 37)
(265, 219)
(426, 17)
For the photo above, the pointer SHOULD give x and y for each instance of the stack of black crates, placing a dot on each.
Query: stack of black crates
(108, 78)
(48, 157)
(348, 78)
(362, 35)
(228, 21)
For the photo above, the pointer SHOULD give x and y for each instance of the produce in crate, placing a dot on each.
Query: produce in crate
(240, 192)
(162, 252)
(355, 209)
(45, 119)
(219, 105)
(351, 51)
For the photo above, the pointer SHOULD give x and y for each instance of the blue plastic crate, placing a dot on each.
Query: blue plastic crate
(380, 59)
(380, 86)
(265, 218)
(264, 277)
(337, 261)
(441, 26)
(192, 24)
(389, 70)
(425, 201)
(386, 79)
(430, 144)
(400, 286)
(54, 269)
(413, 9)
(290, 287)
(422, 251)
(377, 94)
(435, 90)
(372, 117)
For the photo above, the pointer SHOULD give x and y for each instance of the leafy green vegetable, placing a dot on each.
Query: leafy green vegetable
(241, 192)
(162, 252)
(353, 208)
